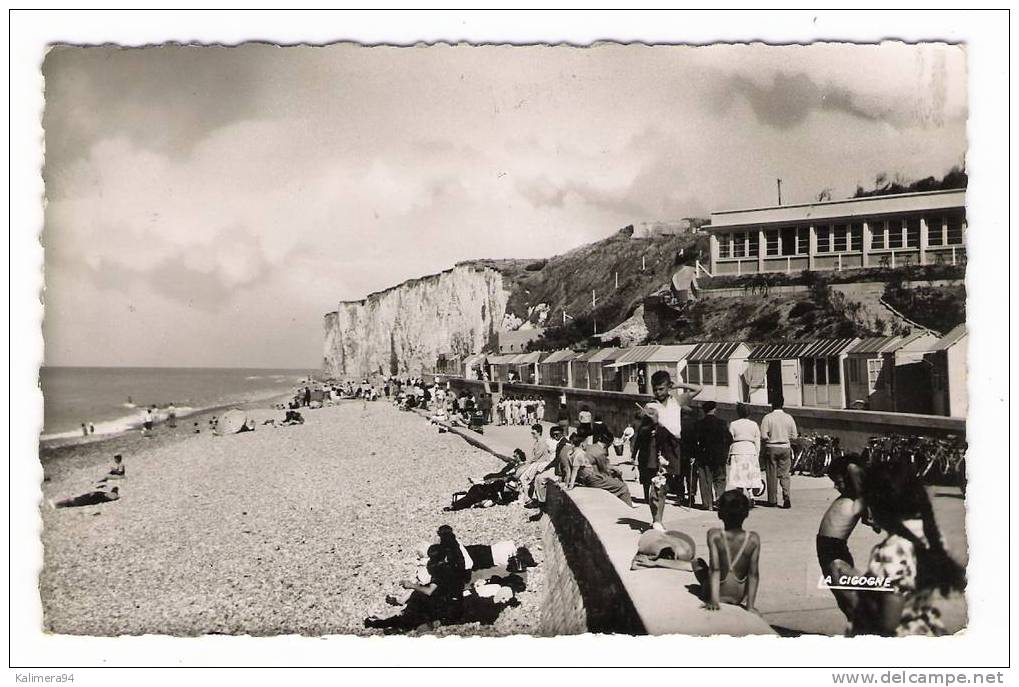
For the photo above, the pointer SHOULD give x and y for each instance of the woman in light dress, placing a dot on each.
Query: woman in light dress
(744, 470)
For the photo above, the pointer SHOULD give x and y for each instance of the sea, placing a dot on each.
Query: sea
(114, 399)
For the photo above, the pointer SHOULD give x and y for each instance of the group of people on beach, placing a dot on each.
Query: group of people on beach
(104, 491)
(680, 449)
(455, 584)
(519, 410)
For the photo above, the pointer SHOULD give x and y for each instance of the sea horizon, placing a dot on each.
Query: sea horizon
(113, 399)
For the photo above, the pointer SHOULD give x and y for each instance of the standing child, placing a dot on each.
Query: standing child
(730, 577)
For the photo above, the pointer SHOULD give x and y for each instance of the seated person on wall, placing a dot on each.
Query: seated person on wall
(730, 577)
(590, 468)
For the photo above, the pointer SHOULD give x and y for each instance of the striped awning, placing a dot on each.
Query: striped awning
(876, 345)
(671, 354)
(633, 355)
(527, 358)
(560, 356)
(785, 351)
(709, 352)
(606, 355)
(825, 348)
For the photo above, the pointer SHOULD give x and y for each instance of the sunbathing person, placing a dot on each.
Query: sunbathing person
(732, 575)
(92, 498)
(494, 492)
(292, 418)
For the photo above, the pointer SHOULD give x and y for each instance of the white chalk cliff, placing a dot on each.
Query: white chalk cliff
(404, 329)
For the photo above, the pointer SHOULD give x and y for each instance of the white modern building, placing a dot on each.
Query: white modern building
(880, 231)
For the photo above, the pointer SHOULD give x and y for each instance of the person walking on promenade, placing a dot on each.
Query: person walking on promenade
(744, 470)
(777, 430)
(713, 441)
(670, 398)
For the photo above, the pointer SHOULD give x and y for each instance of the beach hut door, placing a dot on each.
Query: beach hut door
(791, 382)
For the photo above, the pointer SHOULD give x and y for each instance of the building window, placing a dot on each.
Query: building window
(789, 241)
(935, 231)
(753, 244)
(693, 373)
(722, 374)
(937, 379)
(874, 366)
(771, 239)
(822, 377)
(739, 245)
(833, 371)
(808, 371)
(913, 232)
(707, 373)
(953, 231)
(824, 239)
(895, 234)
(856, 237)
(724, 246)
(878, 238)
(840, 238)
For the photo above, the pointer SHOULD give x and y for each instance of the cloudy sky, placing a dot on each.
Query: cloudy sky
(206, 206)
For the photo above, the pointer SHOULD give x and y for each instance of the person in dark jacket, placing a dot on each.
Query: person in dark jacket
(713, 439)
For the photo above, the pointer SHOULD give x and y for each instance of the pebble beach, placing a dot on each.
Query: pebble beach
(288, 530)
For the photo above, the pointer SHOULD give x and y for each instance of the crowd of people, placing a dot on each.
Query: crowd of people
(104, 490)
(687, 450)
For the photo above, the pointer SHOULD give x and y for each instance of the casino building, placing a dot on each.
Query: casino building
(881, 231)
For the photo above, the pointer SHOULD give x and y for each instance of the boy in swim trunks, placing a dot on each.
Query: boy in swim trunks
(840, 519)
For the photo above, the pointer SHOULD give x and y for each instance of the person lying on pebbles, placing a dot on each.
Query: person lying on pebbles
(92, 498)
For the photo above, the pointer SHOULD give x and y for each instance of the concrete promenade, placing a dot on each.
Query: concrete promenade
(789, 598)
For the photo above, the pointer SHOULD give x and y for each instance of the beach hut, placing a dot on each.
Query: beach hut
(526, 365)
(475, 366)
(913, 383)
(601, 377)
(870, 367)
(947, 360)
(579, 369)
(631, 368)
(821, 371)
(719, 368)
(780, 364)
(670, 358)
(555, 369)
(499, 366)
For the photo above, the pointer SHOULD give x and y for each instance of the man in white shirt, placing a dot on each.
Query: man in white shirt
(670, 398)
(777, 431)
